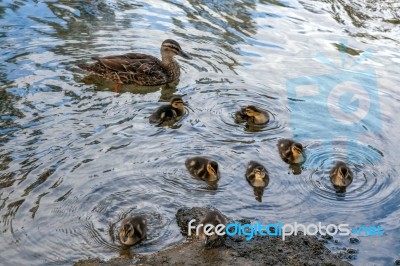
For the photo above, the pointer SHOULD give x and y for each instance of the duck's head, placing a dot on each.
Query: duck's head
(212, 169)
(259, 173)
(170, 48)
(177, 102)
(296, 149)
(251, 111)
(127, 231)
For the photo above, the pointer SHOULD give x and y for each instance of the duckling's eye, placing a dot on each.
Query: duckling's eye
(177, 103)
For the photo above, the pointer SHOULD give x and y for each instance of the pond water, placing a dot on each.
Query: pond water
(76, 157)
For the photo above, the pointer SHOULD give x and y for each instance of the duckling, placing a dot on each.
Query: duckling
(341, 176)
(213, 218)
(258, 178)
(133, 230)
(257, 175)
(139, 69)
(169, 111)
(252, 114)
(290, 151)
(203, 168)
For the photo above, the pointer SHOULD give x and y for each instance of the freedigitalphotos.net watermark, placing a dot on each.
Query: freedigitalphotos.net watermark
(281, 230)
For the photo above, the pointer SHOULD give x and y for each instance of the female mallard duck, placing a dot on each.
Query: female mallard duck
(213, 218)
(252, 114)
(169, 111)
(341, 176)
(203, 168)
(257, 175)
(139, 69)
(132, 230)
(290, 151)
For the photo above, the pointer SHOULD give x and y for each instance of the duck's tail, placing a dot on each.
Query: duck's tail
(90, 67)
(96, 67)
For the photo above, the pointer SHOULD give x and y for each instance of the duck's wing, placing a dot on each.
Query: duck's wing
(136, 68)
(162, 114)
(131, 62)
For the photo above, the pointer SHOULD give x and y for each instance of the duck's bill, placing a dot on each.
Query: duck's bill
(184, 55)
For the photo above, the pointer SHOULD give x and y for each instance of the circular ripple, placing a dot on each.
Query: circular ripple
(178, 180)
(370, 188)
(218, 115)
(107, 211)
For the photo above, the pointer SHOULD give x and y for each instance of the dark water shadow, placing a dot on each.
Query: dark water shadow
(167, 90)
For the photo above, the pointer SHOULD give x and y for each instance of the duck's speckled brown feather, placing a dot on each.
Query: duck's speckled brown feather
(134, 68)
(140, 69)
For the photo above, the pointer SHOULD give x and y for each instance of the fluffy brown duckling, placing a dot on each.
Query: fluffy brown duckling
(252, 114)
(341, 176)
(133, 230)
(213, 218)
(203, 168)
(168, 112)
(257, 176)
(290, 151)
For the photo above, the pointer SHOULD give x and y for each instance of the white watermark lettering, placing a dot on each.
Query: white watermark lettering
(281, 229)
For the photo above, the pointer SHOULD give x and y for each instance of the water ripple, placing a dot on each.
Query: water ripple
(76, 157)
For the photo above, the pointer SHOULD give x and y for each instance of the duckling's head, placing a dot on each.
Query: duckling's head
(127, 231)
(251, 111)
(259, 173)
(213, 218)
(170, 48)
(212, 169)
(297, 149)
(177, 102)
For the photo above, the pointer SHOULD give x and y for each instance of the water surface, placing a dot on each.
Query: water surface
(76, 157)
